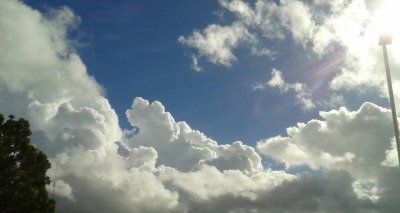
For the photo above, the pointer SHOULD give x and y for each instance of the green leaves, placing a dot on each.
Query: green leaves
(23, 169)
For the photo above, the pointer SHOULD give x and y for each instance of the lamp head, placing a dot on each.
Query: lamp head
(385, 39)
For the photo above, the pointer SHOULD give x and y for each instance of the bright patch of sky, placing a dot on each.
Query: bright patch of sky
(221, 91)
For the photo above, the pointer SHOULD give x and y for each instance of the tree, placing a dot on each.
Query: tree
(23, 169)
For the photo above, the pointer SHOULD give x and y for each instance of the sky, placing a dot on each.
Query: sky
(165, 106)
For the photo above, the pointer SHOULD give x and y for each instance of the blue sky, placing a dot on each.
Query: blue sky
(132, 49)
(287, 98)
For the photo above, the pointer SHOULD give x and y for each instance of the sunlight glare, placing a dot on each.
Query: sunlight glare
(386, 16)
(385, 21)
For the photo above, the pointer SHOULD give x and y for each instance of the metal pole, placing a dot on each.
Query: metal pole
(392, 104)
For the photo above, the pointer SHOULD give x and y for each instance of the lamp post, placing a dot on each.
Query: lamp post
(383, 41)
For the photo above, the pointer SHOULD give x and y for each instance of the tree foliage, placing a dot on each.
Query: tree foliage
(23, 169)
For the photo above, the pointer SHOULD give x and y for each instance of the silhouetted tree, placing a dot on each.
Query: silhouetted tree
(23, 169)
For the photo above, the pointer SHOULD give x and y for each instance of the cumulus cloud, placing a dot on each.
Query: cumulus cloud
(334, 142)
(165, 165)
(143, 172)
(72, 121)
(192, 147)
(302, 92)
(359, 142)
(217, 42)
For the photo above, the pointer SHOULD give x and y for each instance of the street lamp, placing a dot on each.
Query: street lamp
(383, 41)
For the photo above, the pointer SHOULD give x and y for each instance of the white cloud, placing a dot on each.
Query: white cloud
(263, 52)
(295, 16)
(322, 28)
(72, 121)
(177, 138)
(334, 101)
(61, 189)
(366, 189)
(195, 64)
(75, 125)
(359, 142)
(353, 140)
(166, 166)
(267, 18)
(392, 159)
(198, 185)
(240, 9)
(302, 93)
(277, 81)
(217, 42)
